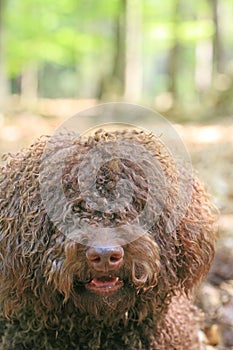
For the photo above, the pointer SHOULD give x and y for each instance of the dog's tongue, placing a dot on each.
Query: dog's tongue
(104, 283)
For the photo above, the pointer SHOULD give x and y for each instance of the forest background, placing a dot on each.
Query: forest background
(175, 56)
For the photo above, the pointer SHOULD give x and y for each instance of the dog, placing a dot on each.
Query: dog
(82, 265)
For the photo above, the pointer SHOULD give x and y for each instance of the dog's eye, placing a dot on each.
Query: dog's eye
(76, 208)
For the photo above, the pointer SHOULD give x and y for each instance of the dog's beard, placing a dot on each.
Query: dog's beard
(104, 305)
(111, 293)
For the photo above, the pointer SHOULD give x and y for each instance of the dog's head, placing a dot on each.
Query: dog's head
(99, 260)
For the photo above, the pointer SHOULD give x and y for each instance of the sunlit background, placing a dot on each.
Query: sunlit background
(174, 56)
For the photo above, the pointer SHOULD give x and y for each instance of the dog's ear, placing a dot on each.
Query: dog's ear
(187, 251)
(25, 230)
(197, 233)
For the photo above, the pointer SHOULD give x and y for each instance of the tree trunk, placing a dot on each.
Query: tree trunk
(204, 65)
(172, 69)
(173, 60)
(29, 85)
(4, 83)
(111, 84)
(119, 53)
(133, 53)
(218, 53)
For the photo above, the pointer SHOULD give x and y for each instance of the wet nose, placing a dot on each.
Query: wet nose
(105, 258)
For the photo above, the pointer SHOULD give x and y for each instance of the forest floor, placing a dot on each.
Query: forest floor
(211, 149)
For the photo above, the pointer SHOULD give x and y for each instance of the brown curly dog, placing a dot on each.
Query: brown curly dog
(75, 277)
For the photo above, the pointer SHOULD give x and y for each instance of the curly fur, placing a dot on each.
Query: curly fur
(43, 273)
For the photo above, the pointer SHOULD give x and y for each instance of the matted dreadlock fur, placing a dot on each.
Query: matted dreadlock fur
(45, 302)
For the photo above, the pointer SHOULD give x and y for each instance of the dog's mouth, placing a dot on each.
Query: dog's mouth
(104, 285)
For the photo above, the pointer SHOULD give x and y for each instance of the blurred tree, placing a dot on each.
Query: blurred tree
(125, 78)
(112, 80)
(29, 84)
(136, 49)
(173, 60)
(218, 60)
(4, 84)
(133, 53)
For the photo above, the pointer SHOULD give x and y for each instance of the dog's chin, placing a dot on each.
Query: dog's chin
(102, 297)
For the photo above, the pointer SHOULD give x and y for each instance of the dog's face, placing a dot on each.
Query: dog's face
(108, 259)
(98, 259)
(102, 268)
(107, 276)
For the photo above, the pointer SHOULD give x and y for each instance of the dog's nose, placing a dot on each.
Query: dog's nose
(105, 258)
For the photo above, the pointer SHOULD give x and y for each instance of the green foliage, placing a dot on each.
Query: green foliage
(75, 42)
(56, 31)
